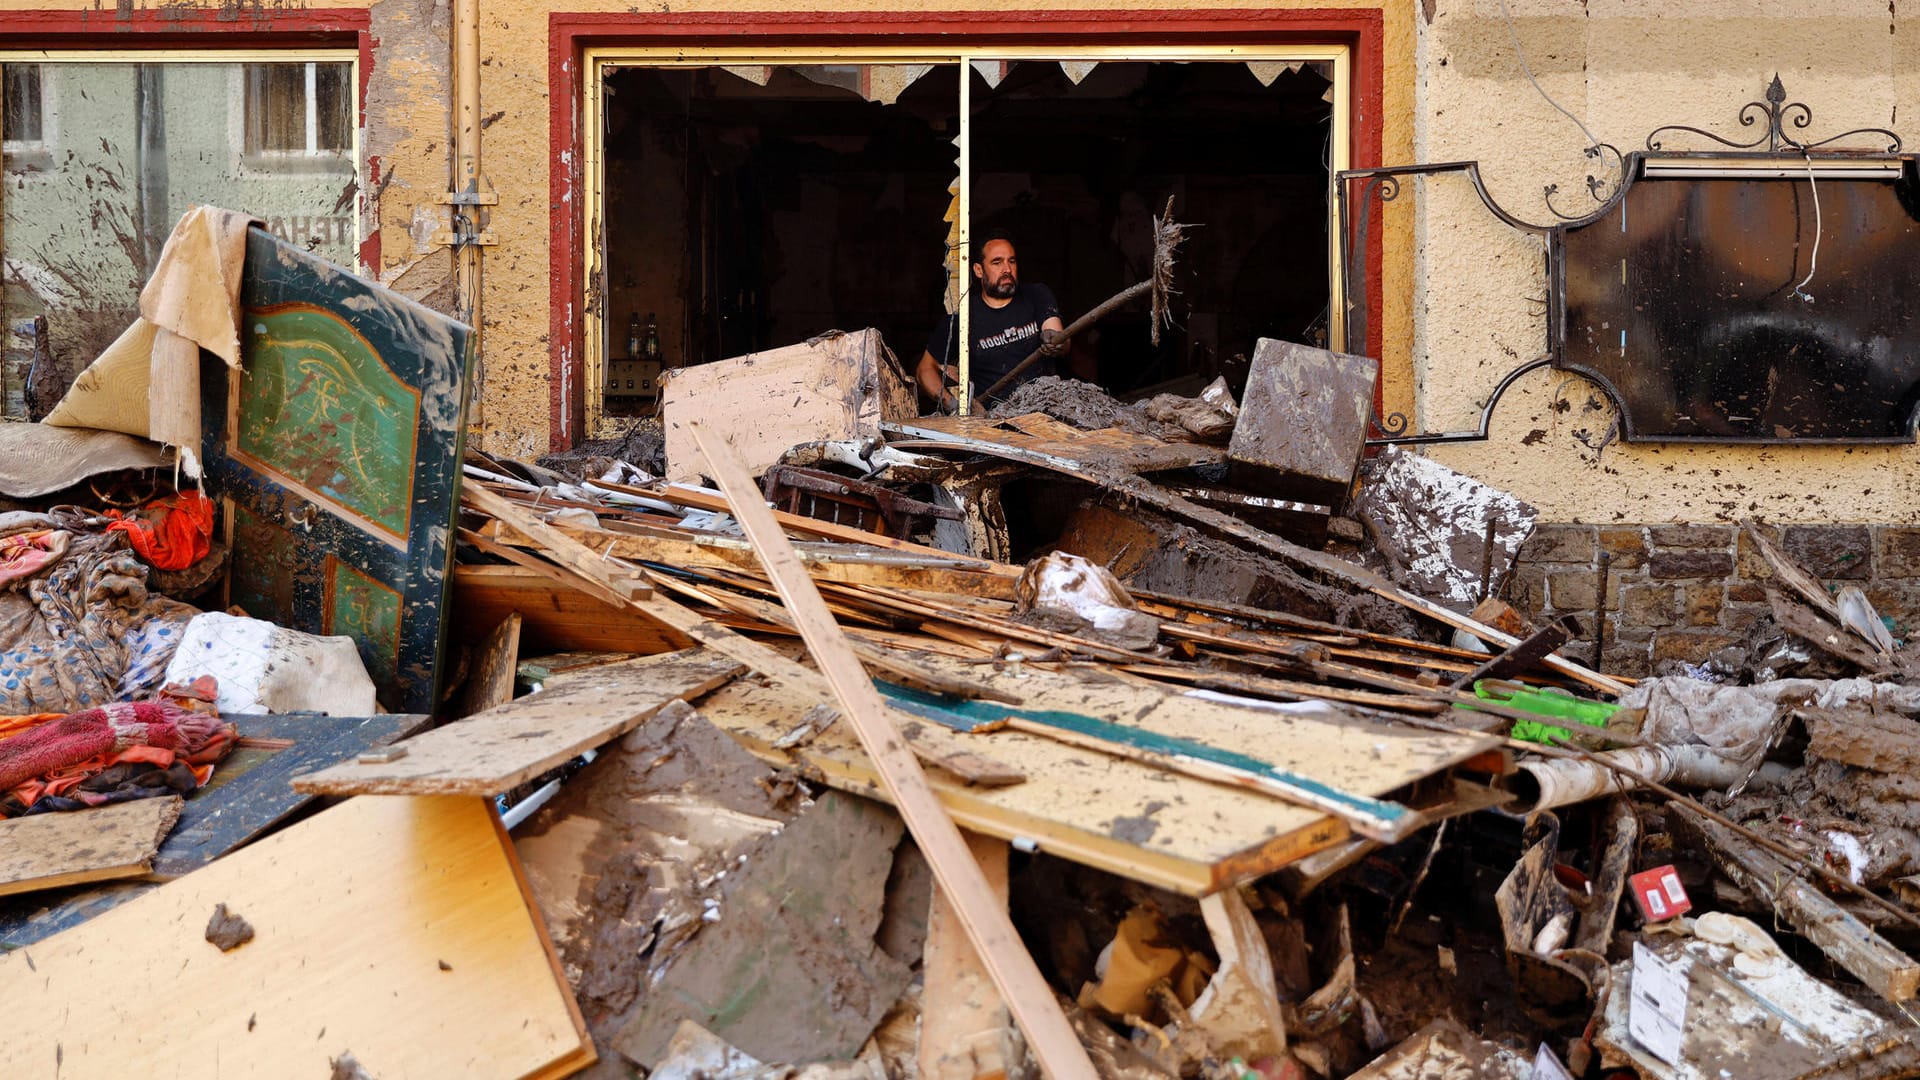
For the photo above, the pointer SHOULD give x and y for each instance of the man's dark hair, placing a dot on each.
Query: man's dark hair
(980, 242)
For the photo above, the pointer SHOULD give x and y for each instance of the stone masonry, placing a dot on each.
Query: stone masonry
(1683, 592)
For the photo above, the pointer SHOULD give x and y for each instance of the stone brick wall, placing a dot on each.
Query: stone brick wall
(1683, 592)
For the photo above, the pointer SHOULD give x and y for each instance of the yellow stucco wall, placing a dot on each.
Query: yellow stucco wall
(1463, 291)
(1624, 67)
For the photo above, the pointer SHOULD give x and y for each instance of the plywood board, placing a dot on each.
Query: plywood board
(47, 851)
(397, 930)
(839, 386)
(505, 746)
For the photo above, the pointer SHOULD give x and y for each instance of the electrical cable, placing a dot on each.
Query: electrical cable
(1813, 261)
(1527, 70)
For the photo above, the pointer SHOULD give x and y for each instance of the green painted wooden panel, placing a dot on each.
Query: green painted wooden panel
(368, 612)
(320, 408)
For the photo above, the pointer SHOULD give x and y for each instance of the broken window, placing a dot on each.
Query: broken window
(23, 124)
(298, 109)
(122, 149)
(738, 206)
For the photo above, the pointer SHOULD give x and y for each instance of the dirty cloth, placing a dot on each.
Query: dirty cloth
(85, 632)
(1738, 723)
(39, 459)
(170, 534)
(147, 383)
(25, 554)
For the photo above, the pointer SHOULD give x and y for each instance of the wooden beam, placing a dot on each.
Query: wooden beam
(504, 747)
(48, 851)
(1054, 1043)
(1846, 940)
(555, 617)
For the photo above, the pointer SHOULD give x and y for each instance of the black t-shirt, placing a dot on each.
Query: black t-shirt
(1002, 336)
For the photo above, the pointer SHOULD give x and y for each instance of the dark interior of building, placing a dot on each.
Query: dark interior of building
(743, 216)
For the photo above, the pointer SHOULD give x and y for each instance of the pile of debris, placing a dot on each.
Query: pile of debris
(1169, 739)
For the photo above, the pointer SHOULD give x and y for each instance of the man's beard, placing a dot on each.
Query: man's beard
(1004, 289)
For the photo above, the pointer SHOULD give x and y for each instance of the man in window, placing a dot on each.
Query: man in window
(1008, 321)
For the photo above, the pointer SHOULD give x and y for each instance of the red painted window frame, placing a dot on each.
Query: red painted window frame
(569, 33)
(213, 28)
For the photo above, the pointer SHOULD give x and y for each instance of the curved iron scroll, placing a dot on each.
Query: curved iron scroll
(1778, 112)
(1393, 426)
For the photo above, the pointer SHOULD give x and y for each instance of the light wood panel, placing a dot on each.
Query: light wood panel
(555, 618)
(506, 746)
(394, 929)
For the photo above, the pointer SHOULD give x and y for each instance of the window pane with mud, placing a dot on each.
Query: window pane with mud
(753, 206)
(1073, 159)
(118, 153)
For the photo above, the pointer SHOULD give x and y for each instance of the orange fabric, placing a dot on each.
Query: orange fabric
(201, 764)
(170, 534)
(14, 725)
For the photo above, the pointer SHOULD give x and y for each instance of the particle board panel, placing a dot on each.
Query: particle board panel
(505, 746)
(48, 851)
(1117, 815)
(395, 929)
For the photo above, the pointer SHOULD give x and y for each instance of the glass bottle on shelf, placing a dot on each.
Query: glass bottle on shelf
(633, 335)
(650, 349)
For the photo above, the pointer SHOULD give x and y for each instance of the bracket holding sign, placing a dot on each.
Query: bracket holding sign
(1756, 293)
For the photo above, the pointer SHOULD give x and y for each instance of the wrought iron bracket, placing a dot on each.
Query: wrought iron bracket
(1778, 112)
(1393, 427)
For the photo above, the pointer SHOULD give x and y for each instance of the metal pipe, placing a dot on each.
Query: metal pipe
(467, 213)
(1544, 783)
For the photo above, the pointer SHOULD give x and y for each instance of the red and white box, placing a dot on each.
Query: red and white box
(1658, 894)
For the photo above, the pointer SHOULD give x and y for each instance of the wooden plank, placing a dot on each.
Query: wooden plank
(710, 632)
(48, 851)
(1040, 433)
(554, 618)
(1028, 997)
(490, 682)
(505, 746)
(964, 1025)
(397, 930)
(1846, 940)
(1227, 525)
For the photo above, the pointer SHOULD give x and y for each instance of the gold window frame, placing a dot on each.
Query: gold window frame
(599, 61)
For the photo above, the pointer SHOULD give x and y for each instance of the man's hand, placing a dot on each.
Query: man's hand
(1054, 343)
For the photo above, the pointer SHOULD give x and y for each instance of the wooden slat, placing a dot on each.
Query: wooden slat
(497, 750)
(1028, 997)
(397, 930)
(1352, 574)
(935, 746)
(47, 851)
